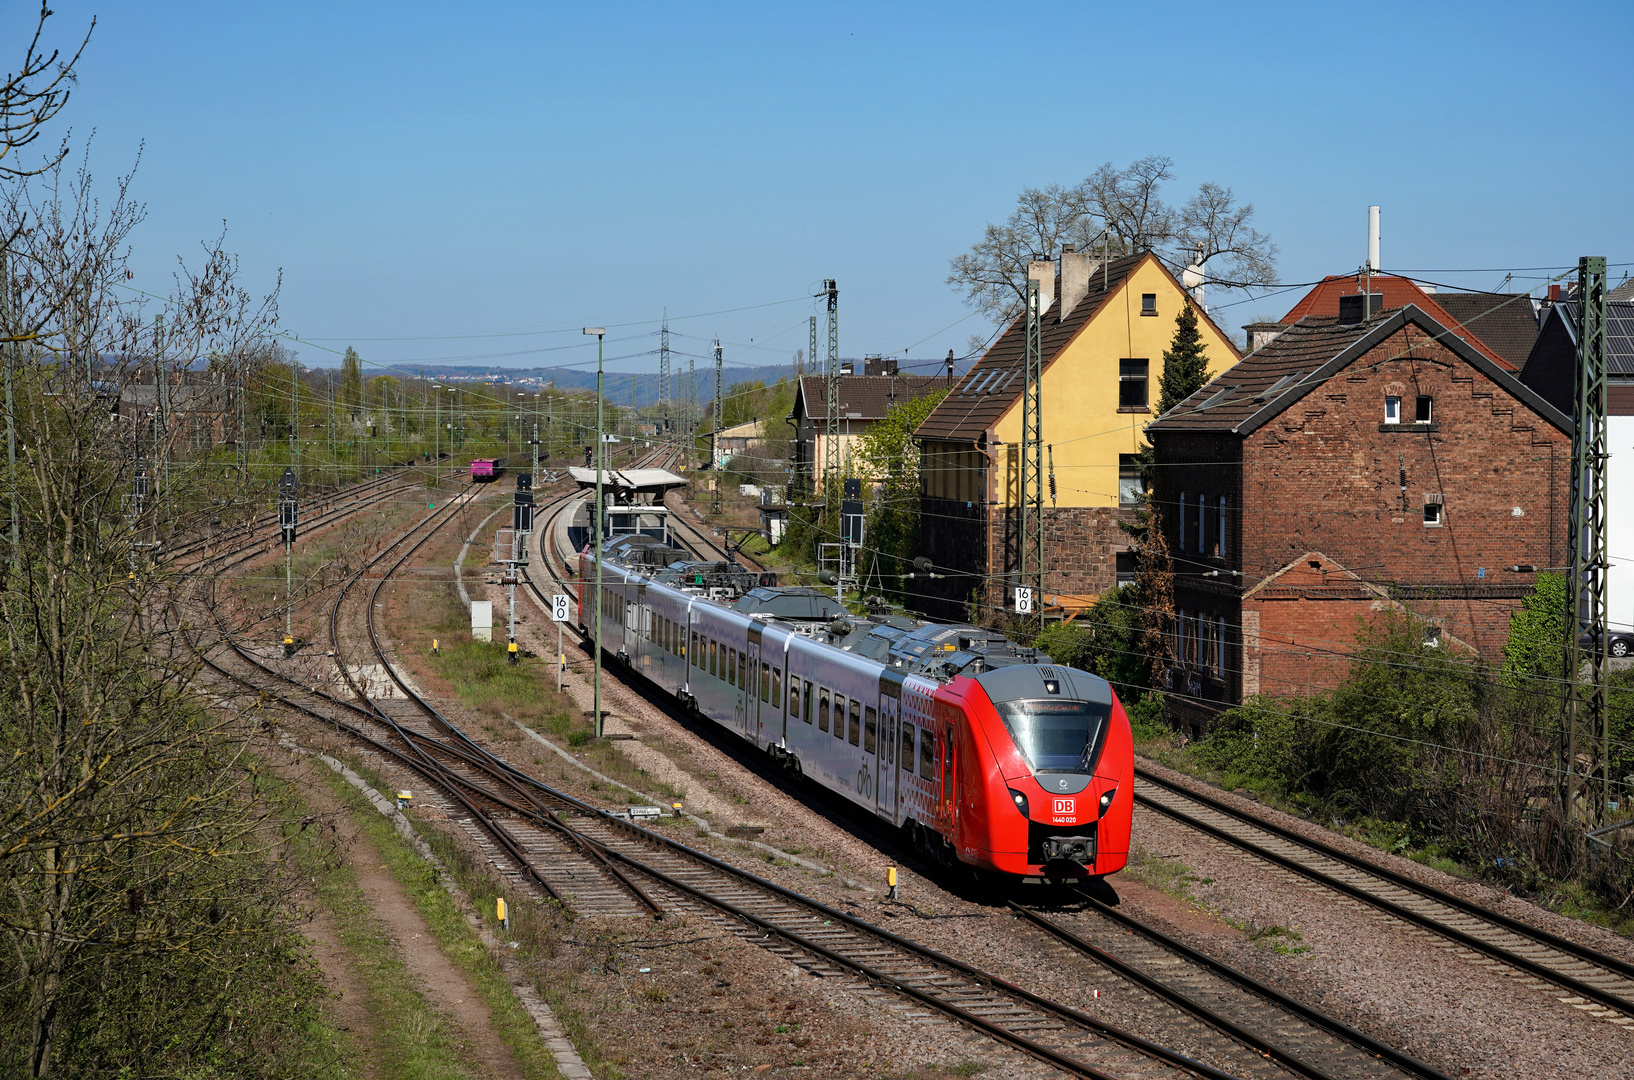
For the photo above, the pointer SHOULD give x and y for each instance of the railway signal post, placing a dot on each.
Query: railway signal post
(558, 615)
(287, 517)
(521, 527)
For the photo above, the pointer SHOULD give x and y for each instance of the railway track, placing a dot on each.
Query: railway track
(1600, 985)
(559, 847)
(1146, 963)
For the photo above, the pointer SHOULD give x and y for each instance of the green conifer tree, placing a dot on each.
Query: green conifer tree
(1185, 363)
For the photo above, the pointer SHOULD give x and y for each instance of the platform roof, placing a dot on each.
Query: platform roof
(629, 479)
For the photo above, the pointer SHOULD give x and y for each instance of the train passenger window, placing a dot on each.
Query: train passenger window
(777, 687)
(927, 754)
(805, 705)
(766, 682)
(714, 657)
(741, 682)
(822, 710)
(697, 658)
(856, 721)
(794, 699)
(870, 730)
(731, 667)
(907, 747)
(889, 737)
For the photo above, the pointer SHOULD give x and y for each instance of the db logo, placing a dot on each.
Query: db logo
(1064, 806)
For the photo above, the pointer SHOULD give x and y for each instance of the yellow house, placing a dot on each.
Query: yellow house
(1105, 329)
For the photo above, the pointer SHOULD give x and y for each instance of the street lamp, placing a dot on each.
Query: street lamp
(599, 332)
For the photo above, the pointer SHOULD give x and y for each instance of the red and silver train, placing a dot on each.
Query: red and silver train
(985, 751)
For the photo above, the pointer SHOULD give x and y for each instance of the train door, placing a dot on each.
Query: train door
(886, 766)
(749, 685)
(947, 785)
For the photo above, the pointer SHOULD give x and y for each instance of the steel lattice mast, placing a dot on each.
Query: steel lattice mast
(1587, 719)
(715, 432)
(831, 429)
(663, 366)
(1031, 547)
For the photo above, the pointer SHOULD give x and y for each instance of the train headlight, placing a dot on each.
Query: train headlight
(1020, 800)
(1106, 799)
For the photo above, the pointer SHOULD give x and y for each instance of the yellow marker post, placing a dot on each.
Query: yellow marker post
(890, 882)
(676, 807)
(499, 910)
(434, 649)
(514, 656)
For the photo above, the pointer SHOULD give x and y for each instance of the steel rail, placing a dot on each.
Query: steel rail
(1180, 998)
(1543, 971)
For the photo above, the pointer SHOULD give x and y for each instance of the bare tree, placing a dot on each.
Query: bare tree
(134, 829)
(1120, 211)
(32, 96)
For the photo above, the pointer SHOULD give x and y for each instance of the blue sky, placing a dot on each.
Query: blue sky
(443, 172)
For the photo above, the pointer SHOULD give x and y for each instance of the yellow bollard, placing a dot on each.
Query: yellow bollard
(499, 910)
(676, 807)
(513, 653)
(435, 651)
(890, 882)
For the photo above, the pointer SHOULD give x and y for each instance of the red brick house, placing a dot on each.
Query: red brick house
(1342, 469)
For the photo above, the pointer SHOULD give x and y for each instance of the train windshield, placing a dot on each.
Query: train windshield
(1057, 736)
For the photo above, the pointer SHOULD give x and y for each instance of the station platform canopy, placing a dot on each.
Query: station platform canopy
(654, 481)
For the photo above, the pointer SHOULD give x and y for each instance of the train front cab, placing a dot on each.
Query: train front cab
(1072, 817)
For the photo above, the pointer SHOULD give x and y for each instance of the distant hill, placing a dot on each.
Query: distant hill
(630, 389)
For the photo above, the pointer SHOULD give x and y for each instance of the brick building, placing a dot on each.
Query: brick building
(864, 401)
(1346, 467)
(1104, 330)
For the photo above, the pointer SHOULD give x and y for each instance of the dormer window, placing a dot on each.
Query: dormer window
(1424, 410)
(1392, 410)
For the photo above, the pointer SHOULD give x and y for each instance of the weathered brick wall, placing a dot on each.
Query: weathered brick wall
(1328, 481)
(1080, 550)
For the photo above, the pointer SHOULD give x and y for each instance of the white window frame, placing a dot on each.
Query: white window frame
(1392, 409)
(1184, 496)
(1222, 526)
(1202, 524)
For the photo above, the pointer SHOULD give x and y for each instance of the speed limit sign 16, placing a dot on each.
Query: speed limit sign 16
(558, 608)
(1024, 601)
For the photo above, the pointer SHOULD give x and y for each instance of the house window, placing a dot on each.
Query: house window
(1205, 641)
(1220, 550)
(1424, 409)
(1183, 500)
(1148, 303)
(1183, 646)
(1132, 383)
(1392, 410)
(1432, 637)
(1202, 524)
(1130, 488)
(1434, 511)
(1125, 567)
(1219, 646)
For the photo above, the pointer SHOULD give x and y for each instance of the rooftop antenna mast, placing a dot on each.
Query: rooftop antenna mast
(1372, 266)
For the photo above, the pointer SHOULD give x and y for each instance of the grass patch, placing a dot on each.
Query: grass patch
(1166, 875)
(1281, 939)
(416, 1042)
